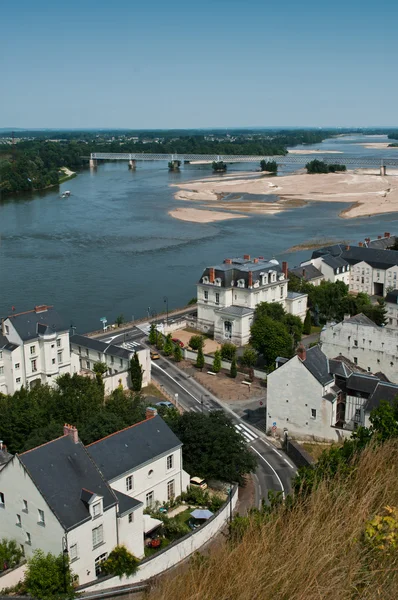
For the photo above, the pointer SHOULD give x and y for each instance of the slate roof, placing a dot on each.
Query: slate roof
(318, 365)
(6, 345)
(307, 272)
(359, 382)
(384, 391)
(335, 262)
(61, 470)
(360, 319)
(126, 503)
(378, 259)
(295, 294)
(383, 243)
(29, 324)
(392, 297)
(99, 346)
(239, 268)
(126, 450)
(338, 367)
(238, 311)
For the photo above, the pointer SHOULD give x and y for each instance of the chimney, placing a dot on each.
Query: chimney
(255, 260)
(72, 432)
(211, 274)
(228, 261)
(150, 412)
(261, 258)
(250, 284)
(301, 352)
(41, 308)
(347, 247)
(360, 244)
(284, 269)
(387, 235)
(379, 237)
(246, 256)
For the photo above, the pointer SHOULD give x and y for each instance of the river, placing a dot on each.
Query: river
(111, 248)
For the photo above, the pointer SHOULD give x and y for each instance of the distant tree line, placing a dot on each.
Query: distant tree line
(319, 166)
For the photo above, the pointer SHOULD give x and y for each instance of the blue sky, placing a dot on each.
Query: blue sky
(212, 63)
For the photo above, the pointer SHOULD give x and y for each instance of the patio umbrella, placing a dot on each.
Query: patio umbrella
(201, 514)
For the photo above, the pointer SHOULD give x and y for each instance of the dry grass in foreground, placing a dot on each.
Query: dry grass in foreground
(314, 552)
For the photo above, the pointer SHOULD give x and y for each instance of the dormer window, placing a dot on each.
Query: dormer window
(205, 279)
(97, 509)
(241, 283)
(217, 281)
(273, 276)
(264, 278)
(337, 271)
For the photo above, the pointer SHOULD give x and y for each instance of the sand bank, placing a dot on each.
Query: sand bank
(67, 171)
(378, 145)
(196, 215)
(315, 152)
(367, 194)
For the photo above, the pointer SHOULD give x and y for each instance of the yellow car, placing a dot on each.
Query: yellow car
(154, 356)
(198, 482)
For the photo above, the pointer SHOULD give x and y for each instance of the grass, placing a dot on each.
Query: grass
(314, 551)
(152, 390)
(151, 551)
(315, 449)
(316, 328)
(185, 516)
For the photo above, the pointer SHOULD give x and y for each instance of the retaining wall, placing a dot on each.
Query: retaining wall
(299, 456)
(11, 577)
(225, 364)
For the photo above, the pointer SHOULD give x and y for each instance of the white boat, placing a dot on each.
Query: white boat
(65, 194)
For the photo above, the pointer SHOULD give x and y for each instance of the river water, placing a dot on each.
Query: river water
(112, 248)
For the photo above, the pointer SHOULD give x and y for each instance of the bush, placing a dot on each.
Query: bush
(249, 357)
(233, 370)
(10, 554)
(174, 528)
(228, 351)
(177, 353)
(217, 362)
(195, 495)
(200, 359)
(120, 562)
(48, 577)
(168, 346)
(196, 342)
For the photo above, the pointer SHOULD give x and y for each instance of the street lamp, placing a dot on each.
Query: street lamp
(166, 300)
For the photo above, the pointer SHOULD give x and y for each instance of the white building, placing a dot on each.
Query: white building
(34, 348)
(373, 348)
(229, 293)
(392, 309)
(315, 398)
(87, 351)
(56, 497)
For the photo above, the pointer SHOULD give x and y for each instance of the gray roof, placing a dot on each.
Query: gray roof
(359, 382)
(384, 391)
(126, 450)
(338, 367)
(295, 294)
(99, 346)
(318, 365)
(4, 457)
(392, 297)
(336, 262)
(378, 259)
(31, 323)
(239, 268)
(6, 345)
(307, 272)
(360, 319)
(61, 471)
(126, 503)
(383, 243)
(238, 311)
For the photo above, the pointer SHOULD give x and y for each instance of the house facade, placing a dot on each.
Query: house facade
(228, 294)
(392, 309)
(34, 348)
(57, 497)
(373, 348)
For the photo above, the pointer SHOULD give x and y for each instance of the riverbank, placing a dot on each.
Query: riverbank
(367, 193)
(378, 145)
(68, 174)
(315, 151)
(195, 215)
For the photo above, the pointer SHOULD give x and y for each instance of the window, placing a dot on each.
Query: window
(206, 295)
(217, 298)
(41, 520)
(7, 329)
(131, 517)
(34, 365)
(52, 346)
(281, 291)
(59, 343)
(73, 552)
(1, 370)
(355, 360)
(129, 483)
(149, 499)
(98, 536)
(112, 360)
(19, 521)
(121, 362)
(22, 549)
(59, 357)
(170, 461)
(87, 364)
(98, 561)
(2, 503)
(99, 355)
(28, 539)
(355, 342)
(53, 361)
(313, 413)
(16, 366)
(87, 352)
(25, 506)
(33, 349)
(96, 509)
(1, 354)
(337, 271)
(18, 380)
(150, 473)
(170, 490)
(80, 349)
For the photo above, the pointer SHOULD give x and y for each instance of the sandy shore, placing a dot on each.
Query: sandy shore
(367, 194)
(315, 152)
(196, 215)
(67, 171)
(378, 145)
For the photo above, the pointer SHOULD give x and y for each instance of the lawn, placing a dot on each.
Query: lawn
(316, 449)
(151, 551)
(152, 390)
(185, 516)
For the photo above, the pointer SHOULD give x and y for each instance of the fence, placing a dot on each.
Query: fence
(225, 364)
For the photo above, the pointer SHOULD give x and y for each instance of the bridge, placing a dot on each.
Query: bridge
(295, 159)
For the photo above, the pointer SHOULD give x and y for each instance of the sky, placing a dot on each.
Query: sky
(184, 64)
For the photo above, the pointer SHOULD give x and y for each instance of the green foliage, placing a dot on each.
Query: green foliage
(120, 562)
(384, 421)
(174, 165)
(174, 528)
(10, 554)
(212, 448)
(307, 323)
(153, 334)
(119, 320)
(136, 373)
(269, 165)
(159, 341)
(319, 166)
(381, 533)
(192, 301)
(270, 338)
(177, 353)
(294, 325)
(100, 369)
(219, 166)
(217, 362)
(249, 357)
(196, 342)
(200, 359)
(168, 346)
(228, 351)
(233, 370)
(48, 577)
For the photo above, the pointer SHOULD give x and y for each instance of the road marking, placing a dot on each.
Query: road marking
(153, 364)
(272, 469)
(286, 461)
(275, 450)
(249, 437)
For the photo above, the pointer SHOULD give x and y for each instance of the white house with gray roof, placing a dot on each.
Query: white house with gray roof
(87, 500)
(392, 309)
(228, 294)
(34, 348)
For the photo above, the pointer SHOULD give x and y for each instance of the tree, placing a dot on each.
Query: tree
(384, 420)
(48, 577)
(294, 326)
(192, 301)
(136, 373)
(196, 342)
(119, 320)
(319, 166)
(212, 447)
(228, 351)
(168, 346)
(269, 165)
(10, 554)
(153, 334)
(307, 323)
(219, 166)
(271, 339)
(233, 370)
(177, 353)
(217, 362)
(274, 310)
(249, 357)
(200, 359)
(100, 369)
(120, 562)
(159, 341)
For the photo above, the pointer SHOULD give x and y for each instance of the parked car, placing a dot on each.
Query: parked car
(165, 403)
(154, 356)
(198, 482)
(177, 341)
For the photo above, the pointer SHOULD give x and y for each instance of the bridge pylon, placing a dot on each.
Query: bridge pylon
(132, 164)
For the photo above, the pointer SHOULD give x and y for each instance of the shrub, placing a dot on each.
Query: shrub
(200, 360)
(177, 353)
(217, 362)
(120, 562)
(174, 528)
(233, 370)
(168, 346)
(48, 576)
(228, 351)
(10, 554)
(196, 342)
(250, 357)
